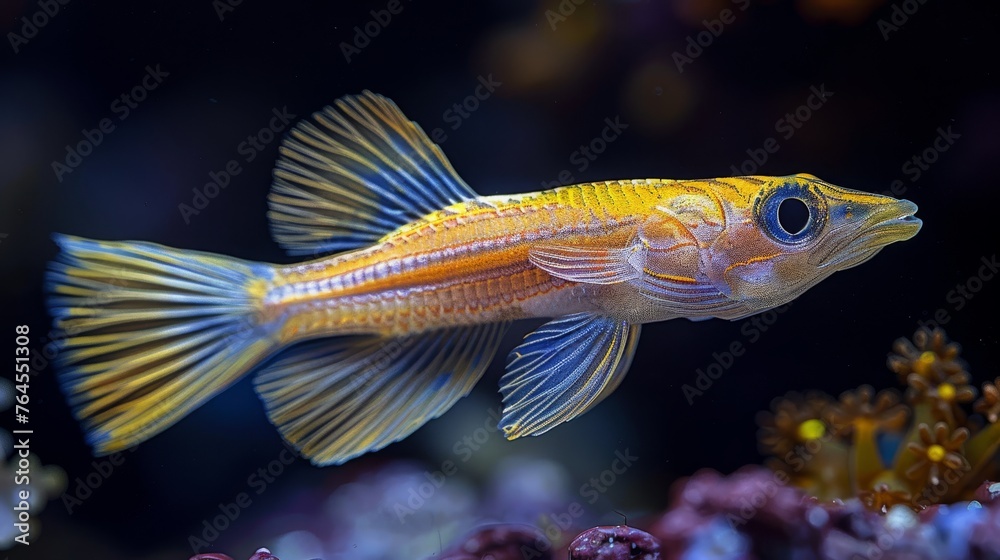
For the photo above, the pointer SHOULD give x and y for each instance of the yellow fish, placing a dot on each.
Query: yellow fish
(399, 323)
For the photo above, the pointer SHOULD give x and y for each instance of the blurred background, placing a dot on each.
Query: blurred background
(868, 94)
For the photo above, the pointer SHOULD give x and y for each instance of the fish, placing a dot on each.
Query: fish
(410, 279)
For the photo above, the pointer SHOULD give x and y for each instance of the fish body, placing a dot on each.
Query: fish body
(403, 318)
(466, 264)
(484, 260)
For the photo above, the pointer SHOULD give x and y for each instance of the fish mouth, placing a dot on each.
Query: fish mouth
(855, 242)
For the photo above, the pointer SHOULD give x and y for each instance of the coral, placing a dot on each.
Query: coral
(989, 404)
(872, 474)
(938, 452)
(795, 420)
(930, 355)
(797, 433)
(885, 452)
(753, 514)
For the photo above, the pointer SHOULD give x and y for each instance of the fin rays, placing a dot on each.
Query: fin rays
(149, 333)
(563, 369)
(335, 399)
(357, 171)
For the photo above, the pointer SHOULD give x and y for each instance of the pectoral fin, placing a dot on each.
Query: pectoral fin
(563, 369)
(584, 264)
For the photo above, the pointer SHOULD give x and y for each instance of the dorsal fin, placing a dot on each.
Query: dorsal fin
(355, 172)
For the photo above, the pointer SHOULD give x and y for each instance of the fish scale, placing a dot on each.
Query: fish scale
(478, 254)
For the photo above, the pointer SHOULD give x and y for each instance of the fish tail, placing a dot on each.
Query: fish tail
(149, 333)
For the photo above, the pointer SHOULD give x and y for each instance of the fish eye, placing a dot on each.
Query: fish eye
(791, 214)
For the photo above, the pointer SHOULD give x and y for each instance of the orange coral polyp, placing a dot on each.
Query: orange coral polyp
(933, 437)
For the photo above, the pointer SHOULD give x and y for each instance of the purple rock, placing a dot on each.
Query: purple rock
(614, 543)
(261, 554)
(501, 542)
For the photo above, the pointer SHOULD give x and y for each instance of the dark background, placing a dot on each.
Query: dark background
(607, 59)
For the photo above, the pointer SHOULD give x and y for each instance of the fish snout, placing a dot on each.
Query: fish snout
(894, 221)
(858, 230)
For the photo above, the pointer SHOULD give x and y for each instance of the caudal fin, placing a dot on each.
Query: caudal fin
(150, 333)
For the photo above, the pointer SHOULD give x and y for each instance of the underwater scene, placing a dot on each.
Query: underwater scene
(500, 280)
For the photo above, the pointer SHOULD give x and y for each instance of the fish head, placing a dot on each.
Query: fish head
(788, 233)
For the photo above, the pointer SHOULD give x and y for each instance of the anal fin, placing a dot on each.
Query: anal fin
(337, 398)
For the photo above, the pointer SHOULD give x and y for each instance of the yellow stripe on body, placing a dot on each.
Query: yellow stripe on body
(465, 264)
